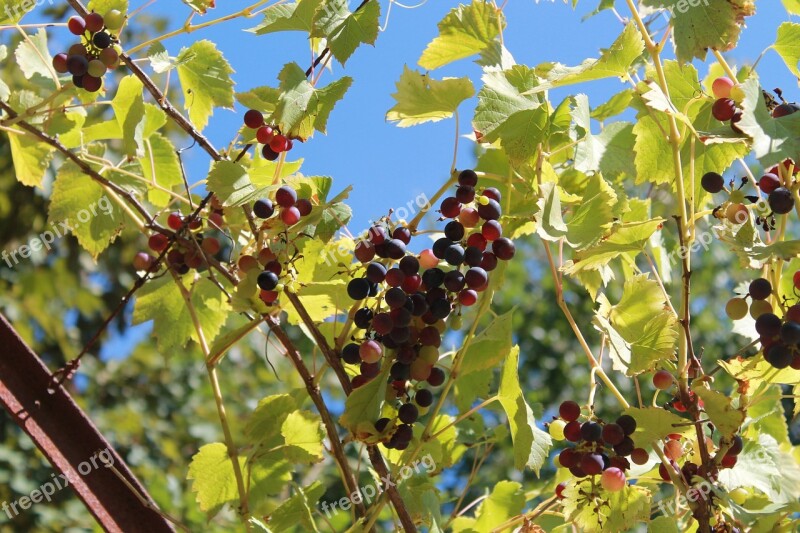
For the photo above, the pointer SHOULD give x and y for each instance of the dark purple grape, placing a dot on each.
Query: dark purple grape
(395, 249)
(433, 278)
(768, 325)
(376, 272)
(77, 65)
(490, 211)
(468, 178)
(454, 255)
(402, 234)
(408, 413)
(423, 397)
(381, 424)
(436, 378)
(712, 182)
(363, 317)
(760, 289)
(395, 297)
(465, 194)
(454, 230)
(263, 208)
(454, 281)
(350, 354)
(591, 431)
(503, 248)
(400, 371)
(473, 256)
(409, 265)
(476, 277)
(358, 288)
(267, 280)
(781, 201)
(627, 423)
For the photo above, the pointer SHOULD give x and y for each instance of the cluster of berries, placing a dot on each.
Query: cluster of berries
(270, 136)
(180, 257)
(407, 298)
(97, 52)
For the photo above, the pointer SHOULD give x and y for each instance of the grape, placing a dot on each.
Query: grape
(492, 230)
(577, 472)
(769, 182)
(664, 473)
(556, 431)
(60, 63)
(210, 245)
(450, 207)
(469, 217)
(468, 177)
(784, 110)
(572, 431)
(400, 317)
(76, 25)
(613, 479)
(395, 277)
(490, 211)
(350, 354)
(158, 242)
(285, 196)
(427, 259)
(790, 333)
(409, 265)
(358, 288)
(721, 87)
(454, 281)
(175, 221)
(268, 153)
(478, 241)
(723, 109)
(263, 208)
(290, 216)
(264, 135)
(402, 234)
(781, 201)
(400, 372)
(94, 22)
(370, 370)
(364, 251)
(473, 256)
(395, 249)
(503, 248)
(627, 423)
(101, 40)
(440, 308)
(476, 277)
(592, 463)
(591, 431)
(376, 272)
(625, 447)
(560, 490)
(712, 182)
(454, 230)
(737, 117)
(77, 65)
(737, 213)
(114, 19)
(467, 297)
(489, 261)
(793, 313)
(430, 336)
(363, 317)
(673, 450)
(377, 234)
(567, 458)
(382, 323)
(421, 370)
(729, 461)
(768, 325)
(454, 255)
(736, 446)
(640, 456)
(779, 356)
(267, 280)
(423, 398)
(663, 380)
(382, 424)
(395, 297)
(440, 247)
(759, 307)
(142, 261)
(465, 194)
(370, 352)
(419, 303)
(268, 297)
(613, 434)
(433, 278)
(253, 119)
(569, 410)
(436, 377)
(760, 289)
(492, 193)
(247, 263)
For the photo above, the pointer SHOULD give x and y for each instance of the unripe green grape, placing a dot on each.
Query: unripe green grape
(96, 68)
(114, 19)
(456, 322)
(556, 429)
(736, 308)
(759, 307)
(429, 354)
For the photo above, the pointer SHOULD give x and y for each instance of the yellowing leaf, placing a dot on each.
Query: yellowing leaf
(619, 511)
(31, 158)
(364, 403)
(128, 105)
(422, 99)
(787, 44)
(205, 77)
(505, 501)
(655, 423)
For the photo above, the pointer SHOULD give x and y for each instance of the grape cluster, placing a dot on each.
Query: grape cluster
(269, 135)
(600, 448)
(97, 52)
(780, 337)
(725, 109)
(407, 297)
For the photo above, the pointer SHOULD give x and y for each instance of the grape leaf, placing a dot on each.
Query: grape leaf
(104, 6)
(161, 301)
(5, 92)
(160, 166)
(763, 466)
(701, 25)
(421, 98)
(625, 238)
(551, 225)
(31, 158)
(614, 106)
(792, 6)
(128, 105)
(363, 406)
(11, 12)
(507, 112)
(663, 524)
(264, 423)
(298, 510)
(773, 139)
(655, 423)
(787, 44)
(302, 108)
(531, 444)
(200, 6)
(74, 195)
(506, 500)
(230, 182)
(205, 77)
(344, 30)
(615, 61)
(34, 59)
(466, 30)
(757, 369)
(619, 511)
(490, 347)
(303, 434)
(723, 415)
(594, 215)
(294, 16)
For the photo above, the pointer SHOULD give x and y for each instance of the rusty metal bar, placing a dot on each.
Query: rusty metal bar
(70, 440)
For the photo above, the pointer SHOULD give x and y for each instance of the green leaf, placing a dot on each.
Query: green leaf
(703, 25)
(757, 369)
(490, 347)
(594, 215)
(5, 92)
(506, 500)
(303, 432)
(344, 30)
(655, 423)
(301, 107)
(31, 158)
(507, 112)
(787, 44)
(230, 182)
(620, 510)
(200, 6)
(625, 238)
(161, 301)
(213, 481)
(422, 99)
(205, 77)
(268, 418)
(465, 31)
(531, 444)
(792, 6)
(11, 12)
(298, 510)
(763, 466)
(615, 61)
(720, 411)
(614, 106)
(551, 225)
(34, 59)
(363, 406)
(85, 206)
(104, 6)
(161, 167)
(128, 105)
(774, 139)
(294, 16)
